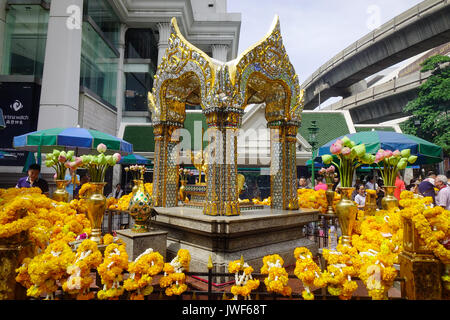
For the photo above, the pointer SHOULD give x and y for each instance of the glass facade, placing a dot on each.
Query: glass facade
(138, 84)
(99, 55)
(24, 40)
(99, 63)
(141, 54)
(103, 15)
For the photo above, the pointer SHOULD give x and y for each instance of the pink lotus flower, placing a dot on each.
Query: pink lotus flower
(331, 169)
(387, 153)
(78, 161)
(101, 148)
(379, 157)
(322, 171)
(117, 157)
(346, 151)
(336, 148)
(396, 153)
(62, 158)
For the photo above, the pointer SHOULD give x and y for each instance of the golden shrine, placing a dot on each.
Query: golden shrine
(261, 74)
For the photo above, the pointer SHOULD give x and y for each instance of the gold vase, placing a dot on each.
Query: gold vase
(140, 208)
(389, 201)
(346, 210)
(182, 193)
(370, 206)
(96, 205)
(135, 186)
(61, 193)
(330, 198)
(12, 252)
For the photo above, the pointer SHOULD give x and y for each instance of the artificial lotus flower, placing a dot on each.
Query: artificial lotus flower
(326, 158)
(117, 157)
(360, 150)
(101, 148)
(405, 153)
(336, 148)
(346, 151)
(412, 159)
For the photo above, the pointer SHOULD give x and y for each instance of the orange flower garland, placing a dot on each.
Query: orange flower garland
(244, 283)
(174, 278)
(110, 271)
(308, 272)
(277, 280)
(79, 281)
(141, 270)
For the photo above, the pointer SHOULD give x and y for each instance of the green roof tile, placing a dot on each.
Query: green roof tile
(331, 125)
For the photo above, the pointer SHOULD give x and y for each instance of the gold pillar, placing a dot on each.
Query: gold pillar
(283, 168)
(165, 170)
(221, 164)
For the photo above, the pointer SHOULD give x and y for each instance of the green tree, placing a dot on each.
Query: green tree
(430, 110)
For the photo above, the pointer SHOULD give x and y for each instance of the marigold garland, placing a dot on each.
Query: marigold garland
(244, 283)
(308, 272)
(40, 274)
(110, 271)
(79, 281)
(343, 264)
(141, 271)
(44, 220)
(277, 279)
(174, 278)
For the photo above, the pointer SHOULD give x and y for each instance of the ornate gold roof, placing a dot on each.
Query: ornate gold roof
(261, 74)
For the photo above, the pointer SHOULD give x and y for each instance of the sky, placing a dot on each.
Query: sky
(314, 31)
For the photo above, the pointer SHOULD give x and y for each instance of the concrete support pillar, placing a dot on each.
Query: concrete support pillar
(283, 169)
(163, 43)
(61, 75)
(120, 103)
(117, 173)
(2, 29)
(220, 52)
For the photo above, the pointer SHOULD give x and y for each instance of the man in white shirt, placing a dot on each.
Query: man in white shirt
(443, 196)
(371, 184)
(360, 198)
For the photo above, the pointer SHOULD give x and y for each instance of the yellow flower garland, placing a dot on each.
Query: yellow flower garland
(174, 278)
(141, 270)
(110, 271)
(343, 264)
(308, 272)
(79, 281)
(277, 279)
(244, 283)
(44, 270)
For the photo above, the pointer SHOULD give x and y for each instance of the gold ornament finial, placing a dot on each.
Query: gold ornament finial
(210, 263)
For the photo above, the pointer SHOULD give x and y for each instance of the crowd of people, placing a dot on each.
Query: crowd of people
(435, 186)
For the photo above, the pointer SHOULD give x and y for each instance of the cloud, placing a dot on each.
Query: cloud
(314, 31)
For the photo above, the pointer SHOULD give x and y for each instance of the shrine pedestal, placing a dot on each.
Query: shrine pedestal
(137, 242)
(253, 234)
(422, 274)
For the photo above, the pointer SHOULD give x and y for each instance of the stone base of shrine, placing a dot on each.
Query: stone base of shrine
(253, 234)
(137, 242)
